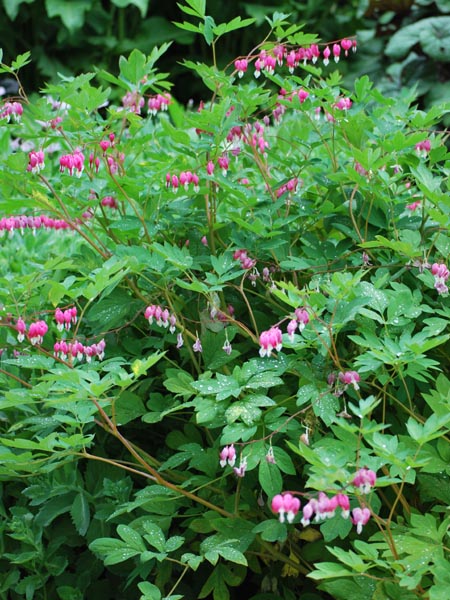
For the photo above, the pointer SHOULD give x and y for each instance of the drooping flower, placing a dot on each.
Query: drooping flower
(360, 517)
(270, 457)
(270, 340)
(413, 206)
(441, 274)
(133, 101)
(73, 162)
(287, 507)
(241, 469)
(21, 329)
(227, 456)
(227, 347)
(423, 148)
(344, 503)
(12, 110)
(224, 164)
(65, 318)
(350, 378)
(302, 316)
(36, 161)
(110, 202)
(336, 52)
(36, 332)
(241, 66)
(346, 45)
(197, 346)
(364, 479)
(291, 329)
(210, 167)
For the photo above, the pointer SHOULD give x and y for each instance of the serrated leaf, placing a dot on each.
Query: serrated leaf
(133, 68)
(326, 570)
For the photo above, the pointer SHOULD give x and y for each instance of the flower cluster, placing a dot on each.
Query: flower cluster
(162, 317)
(94, 162)
(241, 66)
(72, 162)
(350, 378)
(266, 61)
(110, 202)
(224, 164)
(441, 274)
(12, 110)
(365, 480)
(300, 320)
(66, 318)
(343, 104)
(184, 179)
(76, 349)
(423, 148)
(246, 261)
(413, 206)
(133, 101)
(227, 456)
(22, 222)
(36, 331)
(286, 505)
(361, 170)
(324, 507)
(158, 102)
(270, 340)
(280, 108)
(36, 161)
(105, 144)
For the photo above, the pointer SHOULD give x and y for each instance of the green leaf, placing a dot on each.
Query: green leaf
(233, 555)
(325, 407)
(80, 513)
(149, 591)
(270, 478)
(131, 537)
(155, 536)
(326, 570)
(128, 406)
(142, 5)
(21, 60)
(216, 584)
(208, 30)
(71, 13)
(272, 530)
(133, 68)
(432, 33)
(195, 8)
(12, 10)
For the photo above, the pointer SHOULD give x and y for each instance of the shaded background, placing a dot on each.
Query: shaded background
(402, 43)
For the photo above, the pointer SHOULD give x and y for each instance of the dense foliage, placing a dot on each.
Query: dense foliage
(402, 42)
(224, 331)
